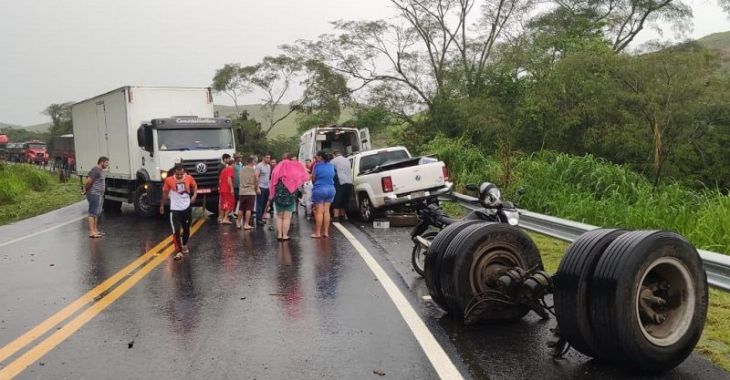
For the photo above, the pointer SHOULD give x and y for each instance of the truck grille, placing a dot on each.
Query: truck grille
(209, 179)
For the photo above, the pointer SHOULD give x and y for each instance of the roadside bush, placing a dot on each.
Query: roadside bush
(10, 189)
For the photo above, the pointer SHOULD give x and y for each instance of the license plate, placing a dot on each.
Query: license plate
(203, 191)
(418, 194)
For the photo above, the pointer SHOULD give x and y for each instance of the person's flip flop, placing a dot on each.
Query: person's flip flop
(97, 235)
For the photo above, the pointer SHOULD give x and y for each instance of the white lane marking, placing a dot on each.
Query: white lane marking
(440, 361)
(42, 231)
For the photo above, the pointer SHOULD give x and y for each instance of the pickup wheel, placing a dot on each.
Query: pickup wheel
(143, 203)
(366, 212)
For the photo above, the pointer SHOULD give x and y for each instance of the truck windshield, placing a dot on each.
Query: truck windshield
(194, 139)
(36, 146)
(373, 160)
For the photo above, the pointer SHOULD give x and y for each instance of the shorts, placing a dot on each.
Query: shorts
(342, 196)
(246, 202)
(227, 202)
(278, 207)
(96, 201)
(323, 194)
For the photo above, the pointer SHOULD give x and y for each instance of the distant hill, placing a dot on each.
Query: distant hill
(719, 42)
(40, 128)
(285, 128)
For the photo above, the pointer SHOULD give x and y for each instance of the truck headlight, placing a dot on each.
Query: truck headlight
(163, 174)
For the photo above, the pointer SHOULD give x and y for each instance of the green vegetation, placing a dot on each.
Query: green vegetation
(593, 191)
(26, 191)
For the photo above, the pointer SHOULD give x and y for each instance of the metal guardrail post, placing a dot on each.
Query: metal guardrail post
(717, 265)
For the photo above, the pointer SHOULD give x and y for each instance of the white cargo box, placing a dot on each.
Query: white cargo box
(106, 125)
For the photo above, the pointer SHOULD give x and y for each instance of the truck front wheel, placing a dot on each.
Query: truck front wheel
(143, 205)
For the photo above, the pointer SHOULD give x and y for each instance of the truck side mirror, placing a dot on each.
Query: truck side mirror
(141, 137)
(145, 139)
(240, 136)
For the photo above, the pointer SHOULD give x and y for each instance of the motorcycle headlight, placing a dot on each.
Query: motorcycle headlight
(495, 194)
(489, 193)
(513, 217)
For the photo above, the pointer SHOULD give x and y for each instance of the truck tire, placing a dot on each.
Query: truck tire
(143, 204)
(212, 207)
(112, 206)
(432, 264)
(476, 258)
(649, 300)
(572, 281)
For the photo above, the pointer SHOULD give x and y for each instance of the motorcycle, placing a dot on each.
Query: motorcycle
(432, 219)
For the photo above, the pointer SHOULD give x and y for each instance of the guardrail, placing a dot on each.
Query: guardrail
(716, 265)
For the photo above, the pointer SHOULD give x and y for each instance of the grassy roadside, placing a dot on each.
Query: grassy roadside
(715, 341)
(45, 194)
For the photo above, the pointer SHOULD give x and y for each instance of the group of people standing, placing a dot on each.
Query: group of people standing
(249, 189)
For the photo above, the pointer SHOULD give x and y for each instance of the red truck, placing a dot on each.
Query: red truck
(35, 152)
(3, 147)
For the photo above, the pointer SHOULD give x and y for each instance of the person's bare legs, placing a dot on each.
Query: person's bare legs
(92, 226)
(326, 219)
(239, 219)
(247, 222)
(279, 225)
(285, 224)
(317, 209)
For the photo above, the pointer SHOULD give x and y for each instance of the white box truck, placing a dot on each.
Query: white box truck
(144, 131)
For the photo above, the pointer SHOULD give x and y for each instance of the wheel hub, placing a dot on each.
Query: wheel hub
(665, 301)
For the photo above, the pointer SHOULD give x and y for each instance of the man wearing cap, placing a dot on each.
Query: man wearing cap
(178, 188)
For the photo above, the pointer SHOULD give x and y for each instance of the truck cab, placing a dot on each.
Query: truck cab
(197, 143)
(346, 140)
(35, 152)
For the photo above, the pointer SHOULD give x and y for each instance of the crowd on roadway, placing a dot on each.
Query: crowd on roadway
(252, 192)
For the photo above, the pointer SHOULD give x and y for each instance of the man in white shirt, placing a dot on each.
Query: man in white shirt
(343, 186)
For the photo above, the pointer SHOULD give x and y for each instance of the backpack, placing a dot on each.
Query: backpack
(282, 196)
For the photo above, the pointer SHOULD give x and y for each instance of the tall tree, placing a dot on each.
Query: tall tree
(232, 80)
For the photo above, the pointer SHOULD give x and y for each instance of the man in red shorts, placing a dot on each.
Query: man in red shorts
(178, 188)
(225, 191)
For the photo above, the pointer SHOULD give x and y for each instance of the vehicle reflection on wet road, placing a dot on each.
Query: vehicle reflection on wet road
(243, 305)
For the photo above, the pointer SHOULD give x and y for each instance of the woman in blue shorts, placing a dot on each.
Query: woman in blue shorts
(323, 193)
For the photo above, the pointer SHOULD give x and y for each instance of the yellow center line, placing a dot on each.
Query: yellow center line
(48, 344)
(69, 310)
(45, 326)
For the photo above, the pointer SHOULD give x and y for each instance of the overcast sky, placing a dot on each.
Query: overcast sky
(55, 51)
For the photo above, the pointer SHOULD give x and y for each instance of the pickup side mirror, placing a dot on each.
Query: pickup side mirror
(240, 136)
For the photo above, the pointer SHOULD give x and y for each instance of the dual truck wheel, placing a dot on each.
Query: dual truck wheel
(635, 299)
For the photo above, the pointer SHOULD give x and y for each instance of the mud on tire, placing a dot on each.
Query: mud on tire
(642, 278)
(476, 258)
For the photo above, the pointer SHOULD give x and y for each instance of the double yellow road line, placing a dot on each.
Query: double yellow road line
(100, 298)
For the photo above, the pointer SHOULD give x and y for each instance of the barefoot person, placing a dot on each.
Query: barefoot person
(286, 178)
(248, 189)
(94, 189)
(178, 189)
(323, 192)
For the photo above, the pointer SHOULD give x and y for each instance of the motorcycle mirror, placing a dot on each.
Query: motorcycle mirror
(521, 191)
(472, 187)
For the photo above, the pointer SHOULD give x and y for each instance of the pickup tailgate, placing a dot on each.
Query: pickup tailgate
(416, 178)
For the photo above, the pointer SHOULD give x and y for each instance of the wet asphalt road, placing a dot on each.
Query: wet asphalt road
(244, 306)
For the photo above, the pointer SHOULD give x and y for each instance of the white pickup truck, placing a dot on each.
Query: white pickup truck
(389, 177)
